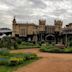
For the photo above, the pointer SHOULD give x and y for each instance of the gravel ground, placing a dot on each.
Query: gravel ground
(49, 63)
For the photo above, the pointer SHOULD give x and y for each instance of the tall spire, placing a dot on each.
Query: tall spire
(14, 20)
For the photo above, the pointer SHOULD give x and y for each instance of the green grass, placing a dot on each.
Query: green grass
(21, 46)
(5, 69)
(13, 68)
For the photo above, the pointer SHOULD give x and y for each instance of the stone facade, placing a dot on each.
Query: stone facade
(41, 32)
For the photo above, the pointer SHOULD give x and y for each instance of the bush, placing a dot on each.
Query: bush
(15, 46)
(5, 42)
(18, 55)
(70, 43)
(4, 52)
(54, 49)
(8, 43)
(25, 56)
(29, 56)
(25, 45)
(20, 58)
(18, 40)
(68, 50)
(28, 43)
(16, 43)
(15, 61)
(44, 49)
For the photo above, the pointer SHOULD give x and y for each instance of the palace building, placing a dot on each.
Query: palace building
(42, 32)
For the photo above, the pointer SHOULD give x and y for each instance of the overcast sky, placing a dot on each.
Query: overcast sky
(33, 10)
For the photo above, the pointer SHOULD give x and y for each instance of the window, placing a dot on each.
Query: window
(23, 32)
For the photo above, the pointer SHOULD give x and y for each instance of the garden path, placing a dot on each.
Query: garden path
(49, 63)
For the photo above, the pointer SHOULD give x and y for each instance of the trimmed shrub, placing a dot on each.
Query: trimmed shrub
(68, 50)
(52, 50)
(56, 50)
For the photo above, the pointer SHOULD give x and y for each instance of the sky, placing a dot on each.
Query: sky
(32, 10)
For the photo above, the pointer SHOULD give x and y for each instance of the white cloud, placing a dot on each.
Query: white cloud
(32, 10)
(3, 7)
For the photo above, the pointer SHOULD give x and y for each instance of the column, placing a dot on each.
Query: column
(66, 39)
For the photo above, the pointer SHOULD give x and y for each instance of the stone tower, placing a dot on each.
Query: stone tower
(14, 20)
(42, 24)
(58, 25)
(13, 26)
(58, 29)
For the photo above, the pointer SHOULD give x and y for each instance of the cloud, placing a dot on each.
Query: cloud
(3, 7)
(33, 10)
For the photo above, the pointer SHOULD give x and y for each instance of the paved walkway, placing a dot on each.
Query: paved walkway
(49, 62)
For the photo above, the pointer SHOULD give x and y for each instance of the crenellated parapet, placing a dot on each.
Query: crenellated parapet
(42, 24)
(58, 25)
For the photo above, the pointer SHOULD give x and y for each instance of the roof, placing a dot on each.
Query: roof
(27, 24)
(4, 30)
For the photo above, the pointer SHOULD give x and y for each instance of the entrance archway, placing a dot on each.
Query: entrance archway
(50, 38)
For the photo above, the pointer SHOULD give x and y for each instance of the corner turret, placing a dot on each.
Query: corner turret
(14, 20)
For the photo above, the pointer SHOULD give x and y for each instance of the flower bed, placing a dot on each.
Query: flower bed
(12, 60)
